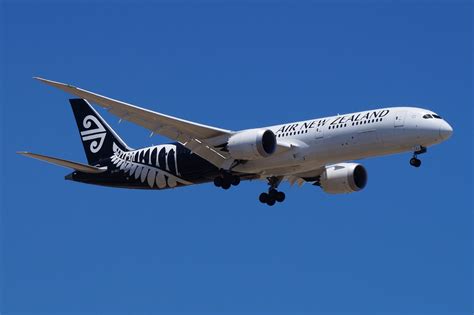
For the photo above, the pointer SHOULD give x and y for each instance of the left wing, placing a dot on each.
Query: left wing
(197, 137)
(65, 163)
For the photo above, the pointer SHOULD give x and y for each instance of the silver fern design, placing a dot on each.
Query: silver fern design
(98, 133)
(157, 165)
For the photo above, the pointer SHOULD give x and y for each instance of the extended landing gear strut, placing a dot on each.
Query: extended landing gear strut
(414, 161)
(273, 194)
(225, 180)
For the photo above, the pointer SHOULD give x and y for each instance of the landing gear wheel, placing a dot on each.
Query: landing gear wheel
(235, 180)
(218, 181)
(225, 180)
(225, 185)
(271, 202)
(280, 196)
(415, 162)
(273, 193)
(263, 197)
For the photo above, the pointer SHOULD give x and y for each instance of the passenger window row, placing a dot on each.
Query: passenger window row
(292, 133)
(357, 123)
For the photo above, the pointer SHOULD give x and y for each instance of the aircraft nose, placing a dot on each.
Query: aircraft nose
(445, 131)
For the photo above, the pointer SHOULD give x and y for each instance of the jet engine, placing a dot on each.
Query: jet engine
(343, 178)
(252, 144)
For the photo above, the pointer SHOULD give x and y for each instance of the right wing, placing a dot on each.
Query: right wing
(199, 138)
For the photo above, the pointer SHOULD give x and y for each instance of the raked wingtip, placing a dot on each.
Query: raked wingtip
(51, 82)
(45, 80)
(40, 79)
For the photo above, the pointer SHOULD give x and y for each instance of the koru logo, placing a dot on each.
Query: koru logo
(98, 133)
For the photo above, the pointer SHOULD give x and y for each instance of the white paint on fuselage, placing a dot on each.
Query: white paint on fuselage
(323, 141)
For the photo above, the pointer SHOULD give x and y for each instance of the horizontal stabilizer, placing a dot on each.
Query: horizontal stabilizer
(65, 163)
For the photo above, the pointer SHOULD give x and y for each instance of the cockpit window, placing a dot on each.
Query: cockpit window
(437, 117)
(427, 116)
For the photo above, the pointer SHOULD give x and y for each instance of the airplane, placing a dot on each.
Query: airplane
(318, 151)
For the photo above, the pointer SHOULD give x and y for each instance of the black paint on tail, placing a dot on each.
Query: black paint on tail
(96, 135)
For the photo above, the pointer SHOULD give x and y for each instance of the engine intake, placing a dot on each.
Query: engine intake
(252, 144)
(343, 178)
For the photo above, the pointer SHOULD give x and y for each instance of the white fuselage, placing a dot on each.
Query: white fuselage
(312, 144)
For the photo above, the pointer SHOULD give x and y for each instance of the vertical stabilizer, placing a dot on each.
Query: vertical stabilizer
(97, 137)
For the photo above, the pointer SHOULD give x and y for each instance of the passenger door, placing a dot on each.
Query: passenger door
(399, 119)
(319, 132)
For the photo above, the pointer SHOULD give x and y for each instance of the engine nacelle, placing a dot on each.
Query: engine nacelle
(343, 178)
(252, 144)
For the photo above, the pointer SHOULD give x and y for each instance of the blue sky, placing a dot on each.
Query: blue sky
(401, 246)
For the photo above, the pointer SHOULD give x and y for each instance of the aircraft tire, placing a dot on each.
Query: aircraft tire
(235, 180)
(415, 162)
(263, 197)
(280, 196)
(218, 181)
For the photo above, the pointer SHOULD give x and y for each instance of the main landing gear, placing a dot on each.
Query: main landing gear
(225, 180)
(414, 161)
(273, 194)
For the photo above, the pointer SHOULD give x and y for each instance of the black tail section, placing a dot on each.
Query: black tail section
(96, 135)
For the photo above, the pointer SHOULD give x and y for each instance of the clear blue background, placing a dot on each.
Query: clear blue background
(401, 246)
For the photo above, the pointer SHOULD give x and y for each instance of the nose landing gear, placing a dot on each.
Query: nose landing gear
(414, 161)
(273, 194)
